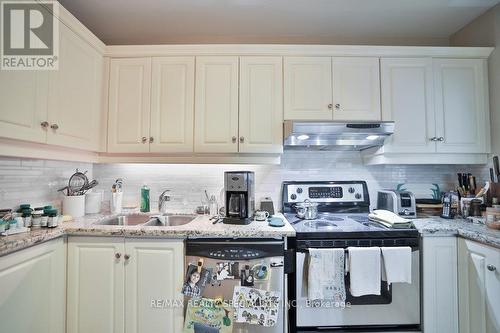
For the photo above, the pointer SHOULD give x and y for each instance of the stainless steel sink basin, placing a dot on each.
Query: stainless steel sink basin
(133, 219)
(170, 220)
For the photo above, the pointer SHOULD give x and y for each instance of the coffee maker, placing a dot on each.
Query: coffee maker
(239, 197)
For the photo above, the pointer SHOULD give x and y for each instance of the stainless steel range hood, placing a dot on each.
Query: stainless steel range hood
(335, 135)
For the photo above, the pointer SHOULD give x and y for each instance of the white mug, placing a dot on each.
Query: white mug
(261, 215)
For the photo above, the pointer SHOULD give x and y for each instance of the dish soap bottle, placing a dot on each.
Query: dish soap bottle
(145, 199)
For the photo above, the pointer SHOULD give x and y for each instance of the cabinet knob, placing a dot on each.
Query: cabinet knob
(144, 139)
(126, 257)
(433, 139)
(337, 106)
(330, 106)
(44, 124)
(54, 126)
(151, 139)
(242, 139)
(233, 139)
(491, 268)
(441, 139)
(118, 255)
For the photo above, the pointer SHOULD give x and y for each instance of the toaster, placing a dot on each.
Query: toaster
(399, 202)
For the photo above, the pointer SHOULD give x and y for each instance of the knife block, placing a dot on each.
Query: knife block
(494, 191)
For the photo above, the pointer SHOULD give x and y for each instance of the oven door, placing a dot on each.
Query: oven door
(399, 307)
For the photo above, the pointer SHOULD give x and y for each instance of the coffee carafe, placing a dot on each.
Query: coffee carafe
(239, 190)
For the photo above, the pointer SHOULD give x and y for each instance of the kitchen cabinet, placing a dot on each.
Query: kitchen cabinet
(338, 88)
(23, 96)
(172, 105)
(408, 100)
(129, 105)
(479, 287)
(75, 94)
(216, 104)
(439, 283)
(113, 282)
(33, 292)
(462, 116)
(261, 105)
(356, 88)
(308, 88)
(154, 271)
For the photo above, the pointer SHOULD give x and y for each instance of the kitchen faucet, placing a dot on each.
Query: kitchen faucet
(162, 200)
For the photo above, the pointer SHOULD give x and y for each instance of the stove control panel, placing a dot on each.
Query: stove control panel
(347, 192)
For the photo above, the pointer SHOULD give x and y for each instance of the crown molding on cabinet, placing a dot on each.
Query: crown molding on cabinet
(117, 51)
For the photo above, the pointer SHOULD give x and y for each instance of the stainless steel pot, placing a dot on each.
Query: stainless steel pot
(307, 210)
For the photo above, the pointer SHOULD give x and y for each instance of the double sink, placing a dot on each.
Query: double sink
(166, 220)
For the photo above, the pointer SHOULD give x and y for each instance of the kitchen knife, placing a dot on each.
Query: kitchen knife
(492, 175)
(460, 184)
(465, 181)
(496, 165)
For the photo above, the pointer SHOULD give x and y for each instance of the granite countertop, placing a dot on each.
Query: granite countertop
(89, 225)
(437, 226)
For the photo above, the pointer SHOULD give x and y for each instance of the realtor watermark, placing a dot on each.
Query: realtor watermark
(29, 35)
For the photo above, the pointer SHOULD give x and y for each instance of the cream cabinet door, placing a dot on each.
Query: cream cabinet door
(479, 287)
(439, 284)
(154, 275)
(75, 94)
(356, 88)
(407, 99)
(23, 105)
(129, 105)
(33, 292)
(216, 104)
(308, 88)
(261, 106)
(95, 285)
(172, 105)
(462, 120)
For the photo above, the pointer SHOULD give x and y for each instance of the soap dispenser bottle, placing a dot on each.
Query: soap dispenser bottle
(145, 199)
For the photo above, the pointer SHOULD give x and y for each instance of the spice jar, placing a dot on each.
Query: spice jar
(44, 220)
(52, 221)
(36, 218)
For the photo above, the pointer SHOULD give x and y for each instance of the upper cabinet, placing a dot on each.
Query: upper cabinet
(261, 105)
(216, 105)
(129, 105)
(172, 104)
(339, 88)
(75, 94)
(356, 88)
(407, 99)
(308, 88)
(60, 107)
(462, 114)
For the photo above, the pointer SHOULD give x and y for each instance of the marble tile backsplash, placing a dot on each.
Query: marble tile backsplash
(36, 181)
(188, 182)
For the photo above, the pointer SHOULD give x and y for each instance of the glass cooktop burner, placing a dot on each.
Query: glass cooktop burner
(318, 224)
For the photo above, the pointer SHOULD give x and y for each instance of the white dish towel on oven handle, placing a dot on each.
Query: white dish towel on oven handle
(364, 270)
(325, 276)
(396, 264)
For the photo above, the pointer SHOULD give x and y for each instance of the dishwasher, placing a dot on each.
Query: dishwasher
(234, 286)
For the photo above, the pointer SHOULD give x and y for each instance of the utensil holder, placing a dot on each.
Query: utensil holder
(74, 205)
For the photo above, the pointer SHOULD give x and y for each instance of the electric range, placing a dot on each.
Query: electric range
(342, 221)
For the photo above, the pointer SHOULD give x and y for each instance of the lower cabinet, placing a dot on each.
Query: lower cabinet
(479, 287)
(439, 283)
(113, 285)
(33, 289)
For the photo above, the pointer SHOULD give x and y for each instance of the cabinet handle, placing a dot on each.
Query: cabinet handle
(151, 139)
(337, 106)
(441, 139)
(144, 139)
(330, 106)
(242, 139)
(126, 257)
(491, 268)
(433, 139)
(44, 124)
(118, 255)
(233, 139)
(54, 126)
